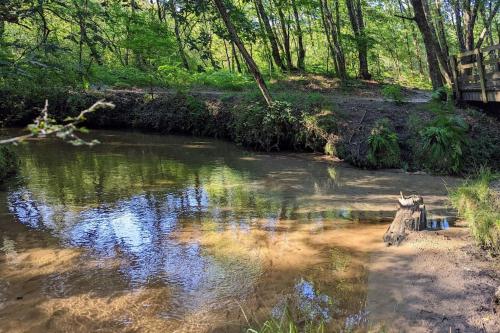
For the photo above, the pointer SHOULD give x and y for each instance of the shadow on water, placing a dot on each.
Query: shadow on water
(156, 233)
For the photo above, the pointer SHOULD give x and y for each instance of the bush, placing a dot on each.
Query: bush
(223, 80)
(267, 128)
(479, 205)
(393, 92)
(442, 142)
(441, 94)
(383, 146)
(8, 162)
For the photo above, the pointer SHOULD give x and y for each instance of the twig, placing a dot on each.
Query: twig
(44, 125)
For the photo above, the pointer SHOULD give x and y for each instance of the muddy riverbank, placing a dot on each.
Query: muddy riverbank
(327, 120)
(436, 281)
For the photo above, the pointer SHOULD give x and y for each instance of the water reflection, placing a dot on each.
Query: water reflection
(305, 304)
(202, 222)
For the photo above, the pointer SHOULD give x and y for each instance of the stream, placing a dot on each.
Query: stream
(150, 233)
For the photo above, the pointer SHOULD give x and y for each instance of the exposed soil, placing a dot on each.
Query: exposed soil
(357, 106)
(436, 281)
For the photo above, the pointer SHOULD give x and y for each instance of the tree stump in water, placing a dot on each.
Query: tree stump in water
(411, 216)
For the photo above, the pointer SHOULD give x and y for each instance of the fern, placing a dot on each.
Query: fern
(443, 142)
(383, 146)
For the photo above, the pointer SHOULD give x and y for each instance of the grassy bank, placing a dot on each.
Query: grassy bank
(374, 134)
(478, 202)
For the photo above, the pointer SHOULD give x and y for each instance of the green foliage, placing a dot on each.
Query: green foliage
(383, 146)
(223, 80)
(393, 93)
(286, 325)
(8, 162)
(178, 77)
(441, 94)
(266, 128)
(476, 201)
(443, 140)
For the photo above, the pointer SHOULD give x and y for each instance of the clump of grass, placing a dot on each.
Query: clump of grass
(443, 140)
(383, 146)
(393, 93)
(477, 202)
(286, 325)
(8, 162)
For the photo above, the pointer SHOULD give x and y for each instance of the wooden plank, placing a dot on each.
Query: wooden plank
(482, 80)
(491, 48)
(466, 53)
(465, 66)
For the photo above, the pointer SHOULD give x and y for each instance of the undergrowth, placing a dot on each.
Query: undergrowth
(442, 141)
(383, 146)
(479, 205)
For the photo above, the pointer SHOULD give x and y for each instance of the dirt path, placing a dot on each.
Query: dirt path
(437, 281)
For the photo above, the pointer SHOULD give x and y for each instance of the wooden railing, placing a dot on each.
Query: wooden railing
(476, 74)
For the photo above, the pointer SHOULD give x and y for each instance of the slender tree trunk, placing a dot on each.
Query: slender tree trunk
(178, 38)
(231, 68)
(236, 59)
(487, 25)
(441, 30)
(270, 34)
(286, 37)
(334, 33)
(356, 17)
(301, 53)
(458, 24)
(470, 15)
(252, 66)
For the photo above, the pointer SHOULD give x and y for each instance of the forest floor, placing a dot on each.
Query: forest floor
(436, 281)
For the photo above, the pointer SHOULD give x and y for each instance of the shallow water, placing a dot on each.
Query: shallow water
(173, 234)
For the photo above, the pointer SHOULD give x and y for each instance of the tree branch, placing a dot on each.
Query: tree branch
(405, 17)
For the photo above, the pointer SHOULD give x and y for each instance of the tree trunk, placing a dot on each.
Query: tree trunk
(301, 53)
(178, 38)
(332, 28)
(286, 37)
(356, 17)
(470, 15)
(435, 59)
(235, 56)
(411, 216)
(252, 66)
(487, 25)
(270, 34)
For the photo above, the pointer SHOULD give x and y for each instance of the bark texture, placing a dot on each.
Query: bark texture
(411, 216)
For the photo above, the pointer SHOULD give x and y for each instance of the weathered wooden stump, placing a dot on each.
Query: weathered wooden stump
(411, 216)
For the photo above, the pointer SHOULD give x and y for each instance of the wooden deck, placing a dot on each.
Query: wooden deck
(476, 75)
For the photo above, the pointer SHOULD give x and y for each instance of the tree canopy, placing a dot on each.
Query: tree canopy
(82, 43)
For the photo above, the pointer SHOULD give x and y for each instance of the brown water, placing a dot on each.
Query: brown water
(148, 233)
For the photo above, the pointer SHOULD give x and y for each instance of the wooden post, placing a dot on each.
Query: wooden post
(456, 88)
(482, 78)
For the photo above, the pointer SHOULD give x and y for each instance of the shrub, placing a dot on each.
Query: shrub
(393, 92)
(442, 142)
(266, 128)
(383, 146)
(8, 162)
(476, 201)
(223, 80)
(441, 94)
